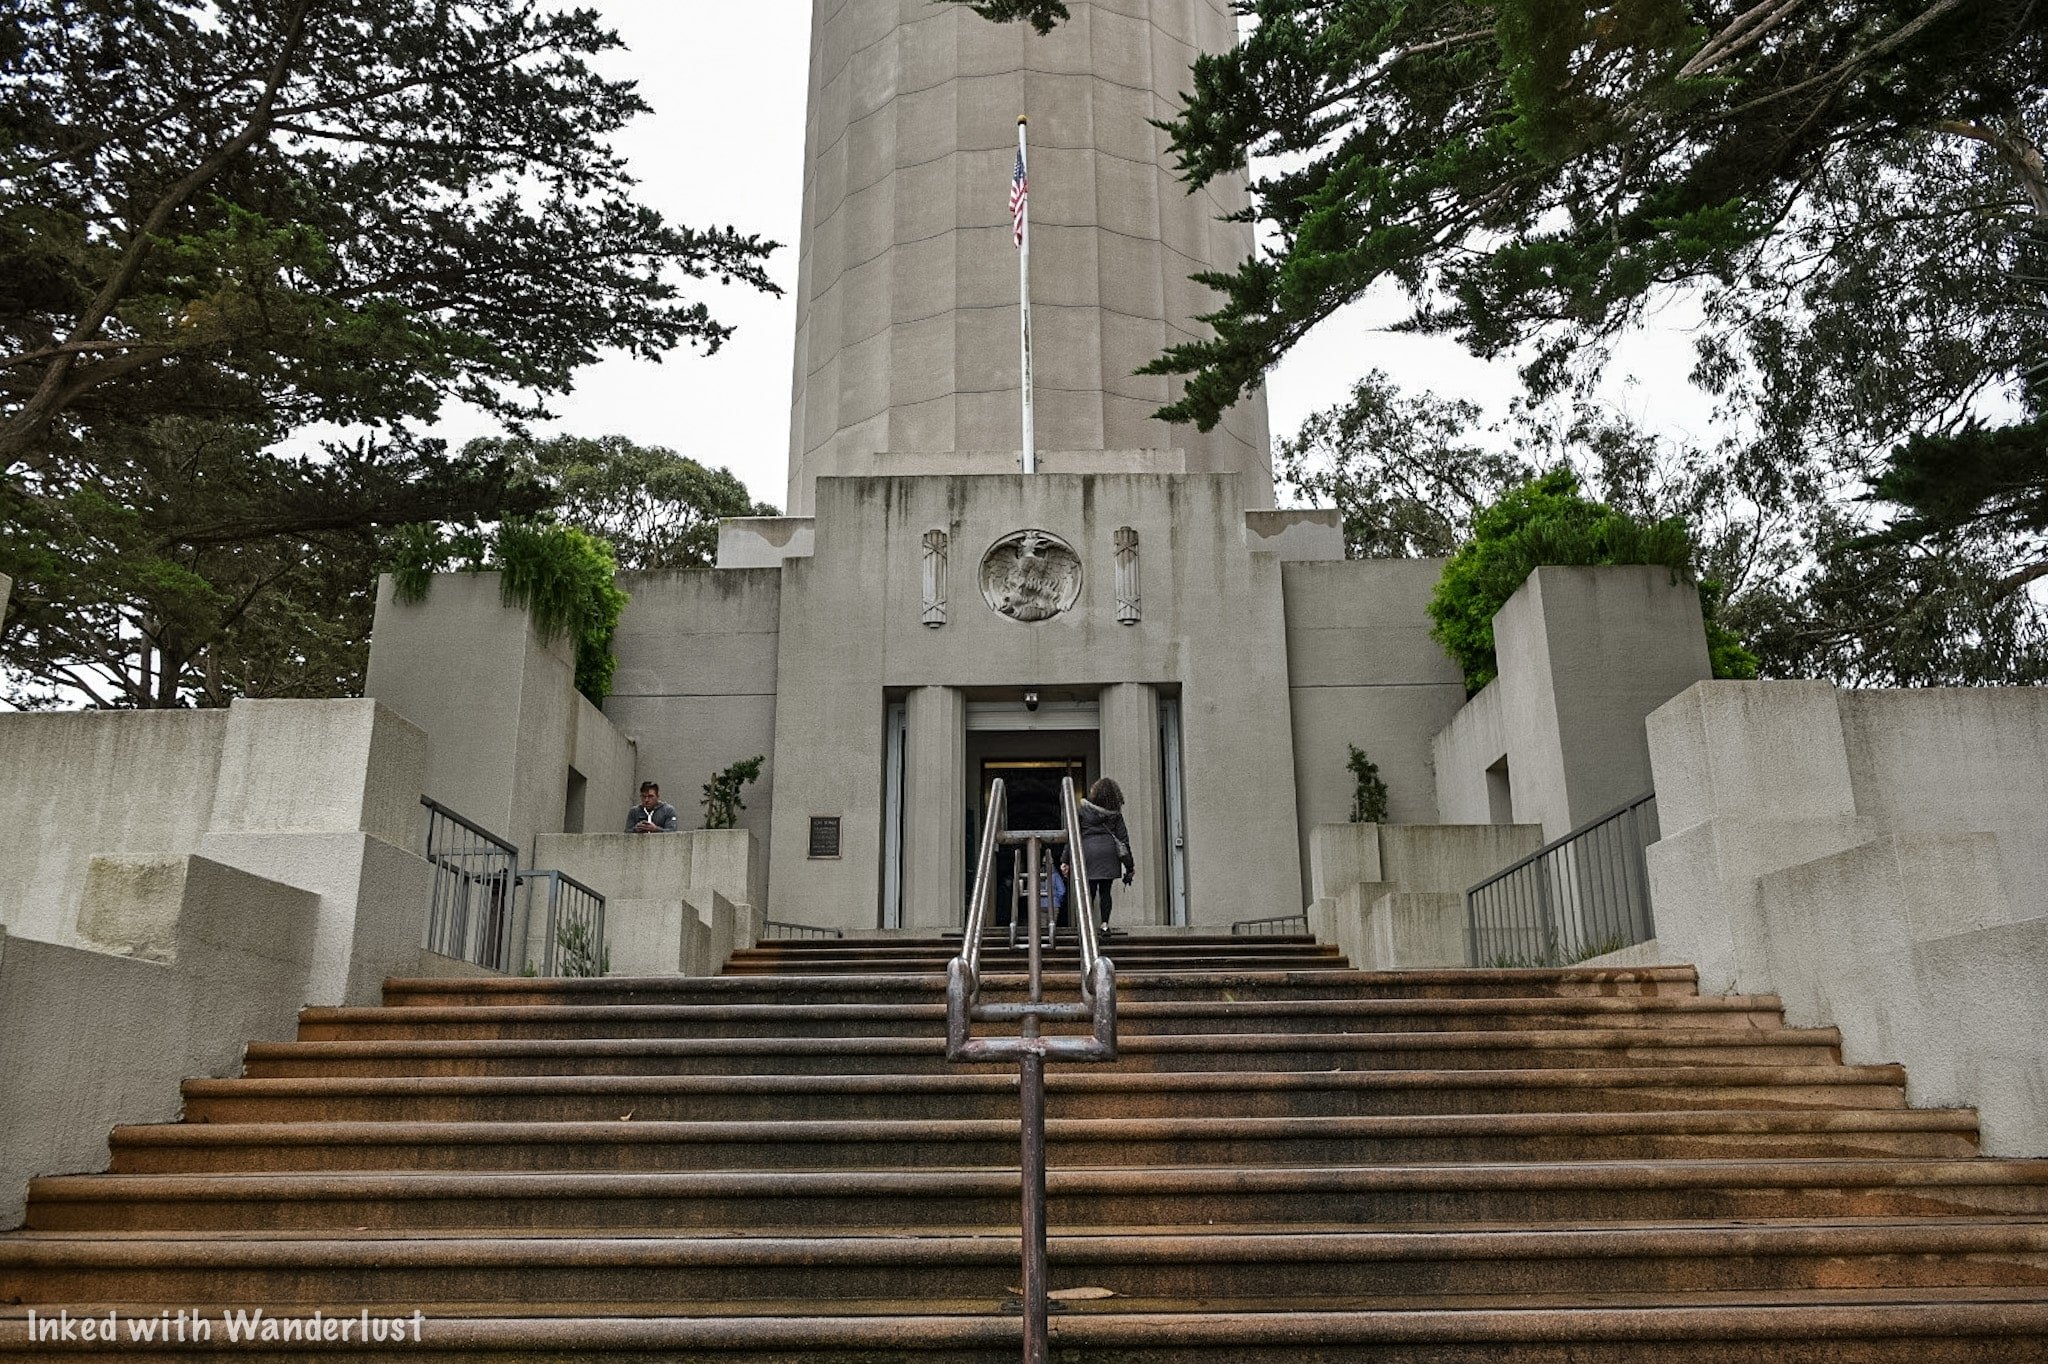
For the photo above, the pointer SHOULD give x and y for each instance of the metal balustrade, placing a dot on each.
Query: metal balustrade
(483, 910)
(1096, 1007)
(572, 941)
(778, 930)
(1276, 925)
(1582, 896)
(476, 879)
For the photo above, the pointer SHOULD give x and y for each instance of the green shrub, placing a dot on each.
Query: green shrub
(722, 803)
(565, 578)
(1548, 521)
(1369, 793)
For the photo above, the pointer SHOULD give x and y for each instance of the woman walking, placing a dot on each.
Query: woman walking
(1105, 842)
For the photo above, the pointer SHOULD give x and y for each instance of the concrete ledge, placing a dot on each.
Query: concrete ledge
(1297, 534)
(210, 958)
(764, 541)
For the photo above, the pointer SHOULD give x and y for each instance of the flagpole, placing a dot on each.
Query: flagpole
(1030, 460)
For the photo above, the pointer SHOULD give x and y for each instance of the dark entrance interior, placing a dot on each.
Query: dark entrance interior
(1031, 790)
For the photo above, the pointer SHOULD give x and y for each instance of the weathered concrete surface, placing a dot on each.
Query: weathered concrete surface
(907, 315)
(1392, 895)
(1819, 846)
(696, 683)
(763, 541)
(1297, 534)
(135, 783)
(193, 960)
(1362, 669)
(1585, 654)
(661, 889)
(852, 638)
(507, 764)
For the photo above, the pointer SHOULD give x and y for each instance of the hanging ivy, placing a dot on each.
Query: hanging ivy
(564, 578)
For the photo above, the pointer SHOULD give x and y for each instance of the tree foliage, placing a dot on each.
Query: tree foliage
(1406, 472)
(722, 803)
(188, 567)
(223, 222)
(342, 210)
(1549, 521)
(1532, 170)
(657, 509)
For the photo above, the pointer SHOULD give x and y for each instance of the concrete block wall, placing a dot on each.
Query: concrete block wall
(1392, 895)
(1871, 858)
(1585, 654)
(674, 903)
(182, 961)
(1362, 669)
(505, 724)
(696, 682)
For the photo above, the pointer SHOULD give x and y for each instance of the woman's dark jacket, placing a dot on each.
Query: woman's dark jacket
(1105, 842)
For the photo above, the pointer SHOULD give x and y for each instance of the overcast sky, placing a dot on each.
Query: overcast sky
(725, 145)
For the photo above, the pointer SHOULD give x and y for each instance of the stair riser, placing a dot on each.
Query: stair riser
(648, 1107)
(930, 1022)
(756, 1214)
(986, 1273)
(755, 1154)
(2003, 1348)
(1340, 1054)
(931, 986)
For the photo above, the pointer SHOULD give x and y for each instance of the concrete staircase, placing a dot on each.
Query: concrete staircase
(1291, 1161)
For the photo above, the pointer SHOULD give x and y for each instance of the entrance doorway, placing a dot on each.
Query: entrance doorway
(1031, 787)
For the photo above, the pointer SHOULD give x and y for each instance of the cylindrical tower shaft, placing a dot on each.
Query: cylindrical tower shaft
(907, 299)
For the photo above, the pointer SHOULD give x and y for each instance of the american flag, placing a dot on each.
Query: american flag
(1020, 194)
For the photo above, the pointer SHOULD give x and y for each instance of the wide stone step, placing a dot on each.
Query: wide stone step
(630, 1144)
(1066, 963)
(1954, 1326)
(58, 1267)
(1576, 1048)
(1076, 1093)
(1133, 1016)
(661, 1202)
(1132, 984)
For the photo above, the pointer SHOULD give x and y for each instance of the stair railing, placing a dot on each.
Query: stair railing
(1096, 1007)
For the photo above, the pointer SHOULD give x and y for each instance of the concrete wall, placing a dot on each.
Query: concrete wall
(1585, 654)
(1871, 857)
(137, 783)
(187, 961)
(1392, 895)
(674, 903)
(1362, 669)
(320, 795)
(906, 294)
(696, 684)
(499, 705)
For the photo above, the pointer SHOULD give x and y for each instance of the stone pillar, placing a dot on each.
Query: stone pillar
(1130, 754)
(935, 808)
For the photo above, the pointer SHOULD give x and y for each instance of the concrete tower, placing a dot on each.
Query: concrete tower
(906, 341)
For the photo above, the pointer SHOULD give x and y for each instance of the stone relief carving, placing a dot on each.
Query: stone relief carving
(1031, 575)
(1127, 575)
(935, 578)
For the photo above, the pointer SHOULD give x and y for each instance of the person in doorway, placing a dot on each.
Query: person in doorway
(652, 815)
(1105, 842)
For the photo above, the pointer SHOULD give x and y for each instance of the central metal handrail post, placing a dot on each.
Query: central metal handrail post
(1031, 1112)
(1097, 1007)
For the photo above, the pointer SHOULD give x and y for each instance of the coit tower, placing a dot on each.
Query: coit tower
(907, 355)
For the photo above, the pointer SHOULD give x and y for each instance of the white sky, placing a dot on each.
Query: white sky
(725, 146)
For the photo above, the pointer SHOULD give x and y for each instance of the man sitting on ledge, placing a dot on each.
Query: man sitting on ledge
(652, 815)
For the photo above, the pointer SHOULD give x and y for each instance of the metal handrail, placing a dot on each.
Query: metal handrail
(776, 929)
(1575, 897)
(472, 899)
(1271, 926)
(572, 935)
(1097, 1007)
